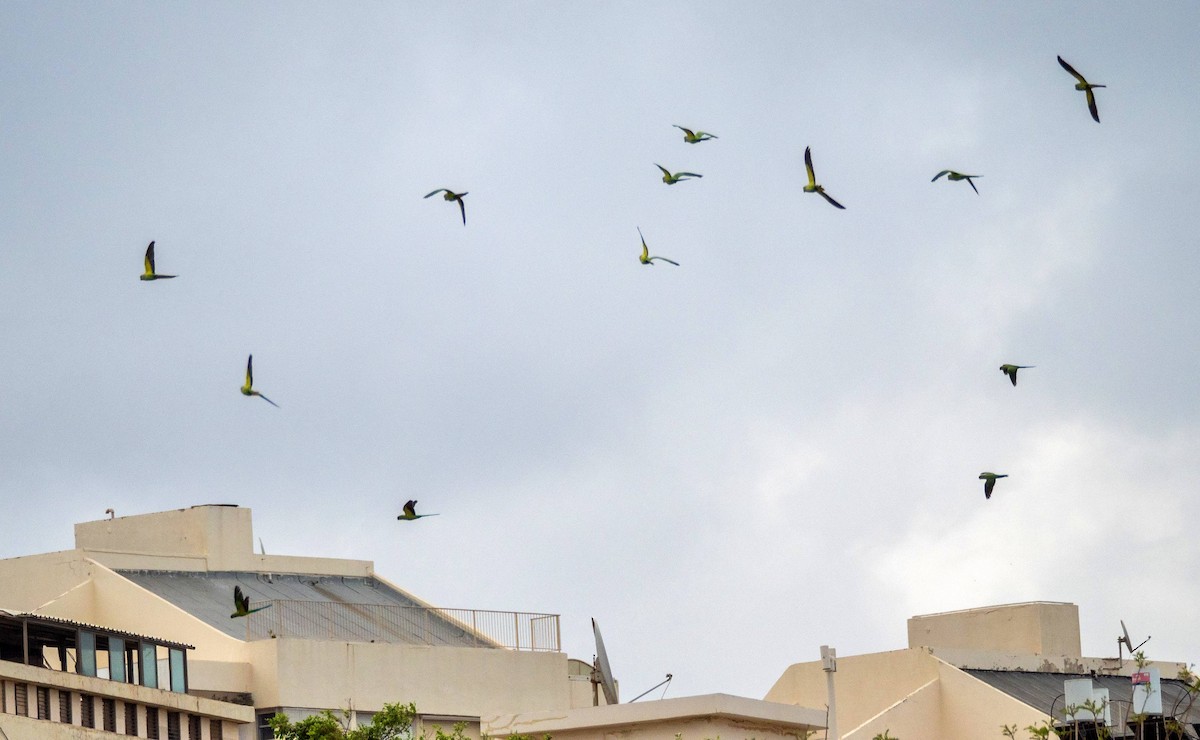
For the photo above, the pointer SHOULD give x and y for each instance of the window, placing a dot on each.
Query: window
(173, 726)
(87, 711)
(43, 702)
(131, 712)
(64, 707)
(178, 672)
(264, 728)
(87, 653)
(216, 730)
(152, 723)
(108, 711)
(21, 694)
(193, 727)
(116, 659)
(149, 663)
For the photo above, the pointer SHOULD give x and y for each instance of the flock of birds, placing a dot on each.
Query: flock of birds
(989, 479)
(241, 602)
(409, 513)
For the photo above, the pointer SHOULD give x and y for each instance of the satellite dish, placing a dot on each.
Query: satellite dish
(1128, 643)
(601, 671)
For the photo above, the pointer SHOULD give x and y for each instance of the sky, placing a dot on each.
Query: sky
(774, 446)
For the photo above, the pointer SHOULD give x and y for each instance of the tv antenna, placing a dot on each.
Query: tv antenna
(602, 676)
(665, 681)
(1123, 639)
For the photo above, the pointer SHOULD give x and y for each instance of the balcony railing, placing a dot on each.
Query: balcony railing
(413, 625)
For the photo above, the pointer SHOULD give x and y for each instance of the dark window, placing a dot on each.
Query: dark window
(21, 692)
(109, 711)
(264, 728)
(152, 723)
(193, 727)
(64, 707)
(131, 710)
(87, 711)
(216, 730)
(173, 726)
(43, 702)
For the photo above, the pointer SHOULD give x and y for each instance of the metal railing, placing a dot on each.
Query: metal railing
(413, 625)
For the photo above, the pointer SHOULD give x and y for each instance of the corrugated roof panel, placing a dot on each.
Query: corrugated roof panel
(1045, 692)
(209, 596)
(45, 619)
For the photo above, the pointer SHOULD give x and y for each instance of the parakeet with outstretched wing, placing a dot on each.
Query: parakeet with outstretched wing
(453, 196)
(241, 604)
(646, 258)
(1086, 87)
(990, 482)
(247, 389)
(410, 512)
(812, 186)
(1011, 371)
(150, 274)
(952, 175)
(672, 178)
(693, 137)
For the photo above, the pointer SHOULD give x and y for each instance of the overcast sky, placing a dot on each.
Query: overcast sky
(774, 446)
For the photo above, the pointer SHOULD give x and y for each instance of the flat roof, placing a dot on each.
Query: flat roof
(738, 708)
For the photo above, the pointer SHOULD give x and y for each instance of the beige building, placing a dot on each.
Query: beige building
(966, 674)
(64, 679)
(331, 634)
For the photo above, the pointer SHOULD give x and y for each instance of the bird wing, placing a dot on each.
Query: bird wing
(1091, 98)
(687, 174)
(1071, 69)
(462, 207)
(150, 259)
(831, 200)
(943, 172)
(988, 486)
(239, 599)
(972, 184)
(687, 131)
(439, 190)
(645, 249)
(812, 178)
(1012, 375)
(664, 259)
(249, 373)
(665, 171)
(705, 133)
(410, 509)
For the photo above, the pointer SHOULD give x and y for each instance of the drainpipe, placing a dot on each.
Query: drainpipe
(829, 665)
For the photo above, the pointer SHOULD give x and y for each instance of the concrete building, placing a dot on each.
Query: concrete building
(333, 635)
(966, 674)
(64, 679)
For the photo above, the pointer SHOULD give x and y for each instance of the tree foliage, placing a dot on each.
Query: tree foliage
(393, 722)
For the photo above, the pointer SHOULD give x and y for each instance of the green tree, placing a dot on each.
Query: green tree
(393, 722)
